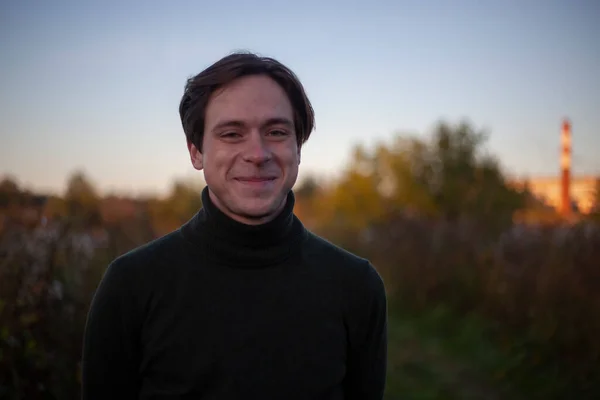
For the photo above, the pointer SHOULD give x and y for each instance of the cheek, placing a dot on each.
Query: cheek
(219, 164)
(290, 163)
(294, 160)
(289, 155)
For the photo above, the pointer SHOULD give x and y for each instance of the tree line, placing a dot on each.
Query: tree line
(435, 213)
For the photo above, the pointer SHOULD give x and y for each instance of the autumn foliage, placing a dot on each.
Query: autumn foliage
(437, 217)
(434, 213)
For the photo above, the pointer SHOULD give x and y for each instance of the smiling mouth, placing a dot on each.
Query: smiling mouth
(255, 179)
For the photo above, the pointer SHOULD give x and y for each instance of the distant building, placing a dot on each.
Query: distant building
(548, 190)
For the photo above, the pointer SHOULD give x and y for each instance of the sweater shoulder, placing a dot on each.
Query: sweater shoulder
(136, 273)
(317, 246)
(155, 252)
(362, 284)
(340, 261)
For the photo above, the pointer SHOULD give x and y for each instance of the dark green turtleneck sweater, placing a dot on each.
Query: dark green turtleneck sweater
(223, 310)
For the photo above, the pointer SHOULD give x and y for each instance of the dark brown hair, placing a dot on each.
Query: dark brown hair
(198, 89)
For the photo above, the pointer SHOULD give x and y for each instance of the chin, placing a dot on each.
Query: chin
(258, 208)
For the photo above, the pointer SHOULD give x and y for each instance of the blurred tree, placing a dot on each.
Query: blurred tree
(56, 207)
(82, 201)
(355, 202)
(461, 178)
(307, 188)
(404, 170)
(9, 191)
(595, 210)
(449, 175)
(307, 193)
(347, 208)
(183, 201)
(10, 200)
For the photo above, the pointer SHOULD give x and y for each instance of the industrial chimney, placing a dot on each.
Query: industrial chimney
(565, 165)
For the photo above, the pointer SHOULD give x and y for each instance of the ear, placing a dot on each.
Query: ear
(195, 156)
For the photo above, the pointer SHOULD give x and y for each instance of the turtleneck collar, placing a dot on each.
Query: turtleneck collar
(232, 243)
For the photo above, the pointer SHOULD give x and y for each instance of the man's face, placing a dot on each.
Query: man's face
(250, 155)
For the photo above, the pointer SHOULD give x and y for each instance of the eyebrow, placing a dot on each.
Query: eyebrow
(240, 124)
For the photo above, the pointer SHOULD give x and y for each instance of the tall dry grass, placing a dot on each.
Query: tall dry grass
(539, 286)
(47, 278)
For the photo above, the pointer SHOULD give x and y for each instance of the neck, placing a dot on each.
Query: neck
(230, 242)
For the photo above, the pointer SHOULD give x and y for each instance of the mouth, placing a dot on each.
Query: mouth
(256, 179)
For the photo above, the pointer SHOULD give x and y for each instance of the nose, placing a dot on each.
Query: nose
(257, 150)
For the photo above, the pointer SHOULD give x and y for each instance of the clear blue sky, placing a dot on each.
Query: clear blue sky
(96, 85)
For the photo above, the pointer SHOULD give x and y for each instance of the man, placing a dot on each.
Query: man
(241, 302)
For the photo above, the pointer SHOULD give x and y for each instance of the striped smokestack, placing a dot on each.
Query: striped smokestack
(565, 166)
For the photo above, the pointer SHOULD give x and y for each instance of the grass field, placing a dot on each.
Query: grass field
(434, 356)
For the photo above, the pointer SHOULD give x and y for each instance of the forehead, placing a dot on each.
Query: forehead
(251, 99)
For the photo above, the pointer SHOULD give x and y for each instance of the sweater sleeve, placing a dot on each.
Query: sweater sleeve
(367, 355)
(110, 360)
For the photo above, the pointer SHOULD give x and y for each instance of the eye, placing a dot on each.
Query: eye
(230, 135)
(278, 133)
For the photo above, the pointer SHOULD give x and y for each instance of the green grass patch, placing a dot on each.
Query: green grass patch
(434, 355)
